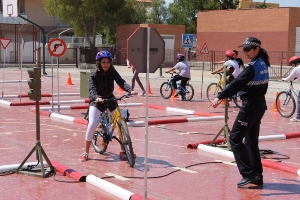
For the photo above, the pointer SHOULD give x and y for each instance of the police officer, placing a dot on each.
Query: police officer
(252, 83)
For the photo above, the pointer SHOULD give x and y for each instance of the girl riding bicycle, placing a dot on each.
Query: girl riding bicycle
(184, 72)
(295, 62)
(101, 86)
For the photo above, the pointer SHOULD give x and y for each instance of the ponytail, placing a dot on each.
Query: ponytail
(264, 55)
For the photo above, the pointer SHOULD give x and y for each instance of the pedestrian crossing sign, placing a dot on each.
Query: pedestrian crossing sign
(187, 40)
(204, 49)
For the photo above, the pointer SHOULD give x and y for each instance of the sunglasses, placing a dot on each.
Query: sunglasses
(247, 49)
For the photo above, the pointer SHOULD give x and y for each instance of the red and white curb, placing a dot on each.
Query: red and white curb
(97, 182)
(265, 163)
(190, 112)
(86, 106)
(42, 95)
(131, 124)
(5, 168)
(174, 120)
(260, 138)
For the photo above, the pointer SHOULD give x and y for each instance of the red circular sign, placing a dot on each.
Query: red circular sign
(57, 47)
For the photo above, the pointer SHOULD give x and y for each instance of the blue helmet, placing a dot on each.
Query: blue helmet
(103, 54)
(180, 57)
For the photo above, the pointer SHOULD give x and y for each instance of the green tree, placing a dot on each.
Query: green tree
(158, 12)
(228, 4)
(91, 17)
(262, 5)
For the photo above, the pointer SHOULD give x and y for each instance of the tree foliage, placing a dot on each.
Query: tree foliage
(158, 12)
(91, 17)
(262, 5)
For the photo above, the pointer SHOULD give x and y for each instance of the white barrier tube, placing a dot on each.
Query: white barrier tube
(136, 123)
(272, 137)
(5, 168)
(109, 187)
(61, 107)
(215, 150)
(5, 102)
(65, 102)
(204, 118)
(180, 110)
(63, 117)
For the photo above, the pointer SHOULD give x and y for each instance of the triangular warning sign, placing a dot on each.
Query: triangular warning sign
(187, 40)
(5, 42)
(204, 49)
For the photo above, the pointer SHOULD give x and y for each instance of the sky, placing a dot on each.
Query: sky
(282, 3)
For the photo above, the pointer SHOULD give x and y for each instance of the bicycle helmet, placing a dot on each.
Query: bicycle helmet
(103, 54)
(229, 53)
(294, 59)
(180, 57)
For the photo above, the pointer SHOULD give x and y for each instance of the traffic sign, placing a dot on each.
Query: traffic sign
(187, 40)
(5, 42)
(137, 50)
(204, 49)
(57, 47)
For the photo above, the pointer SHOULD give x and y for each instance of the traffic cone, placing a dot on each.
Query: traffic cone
(120, 89)
(173, 93)
(149, 89)
(274, 109)
(69, 80)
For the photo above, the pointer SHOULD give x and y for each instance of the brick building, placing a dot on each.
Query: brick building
(277, 28)
(172, 35)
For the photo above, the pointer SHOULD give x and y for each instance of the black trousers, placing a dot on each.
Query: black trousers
(247, 125)
(177, 78)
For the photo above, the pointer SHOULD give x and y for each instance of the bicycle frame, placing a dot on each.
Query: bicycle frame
(113, 120)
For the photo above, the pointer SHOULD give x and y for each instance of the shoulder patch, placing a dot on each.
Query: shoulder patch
(252, 62)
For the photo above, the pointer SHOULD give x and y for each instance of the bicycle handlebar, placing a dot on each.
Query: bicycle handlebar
(127, 95)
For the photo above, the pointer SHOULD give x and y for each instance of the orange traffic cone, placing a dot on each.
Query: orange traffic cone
(274, 109)
(149, 89)
(173, 93)
(120, 89)
(69, 80)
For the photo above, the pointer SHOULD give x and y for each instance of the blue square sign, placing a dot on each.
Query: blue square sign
(187, 40)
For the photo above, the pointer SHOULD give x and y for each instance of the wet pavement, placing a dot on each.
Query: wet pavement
(206, 175)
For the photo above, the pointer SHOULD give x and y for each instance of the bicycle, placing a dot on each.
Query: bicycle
(107, 123)
(213, 89)
(186, 92)
(285, 102)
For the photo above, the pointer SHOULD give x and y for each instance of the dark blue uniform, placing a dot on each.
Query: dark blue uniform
(252, 83)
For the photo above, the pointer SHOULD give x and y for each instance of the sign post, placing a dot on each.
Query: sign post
(56, 47)
(4, 42)
(203, 51)
(146, 51)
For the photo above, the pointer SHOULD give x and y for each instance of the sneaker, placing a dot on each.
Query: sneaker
(176, 93)
(294, 119)
(84, 157)
(143, 94)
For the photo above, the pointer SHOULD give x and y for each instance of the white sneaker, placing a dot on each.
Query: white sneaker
(294, 119)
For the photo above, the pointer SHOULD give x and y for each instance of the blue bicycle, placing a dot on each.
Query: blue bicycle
(186, 92)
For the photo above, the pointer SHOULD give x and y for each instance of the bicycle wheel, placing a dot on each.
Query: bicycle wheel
(165, 90)
(285, 104)
(100, 140)
(212, 91)
(126, 142)
(237, 101)
(189, 94)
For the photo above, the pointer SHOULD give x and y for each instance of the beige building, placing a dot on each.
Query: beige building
(246, 4)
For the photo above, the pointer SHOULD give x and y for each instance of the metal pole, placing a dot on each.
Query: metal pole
(52, 83)
(202, 77)
(58, 106)
(43, 40)
(3, 73)
(146, 120)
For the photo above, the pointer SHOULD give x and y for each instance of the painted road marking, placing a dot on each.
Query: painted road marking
(117, 176)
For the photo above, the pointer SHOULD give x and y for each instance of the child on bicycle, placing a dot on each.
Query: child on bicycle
(230, 61)
(295, 62)
(184, 72)
(101, 86)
